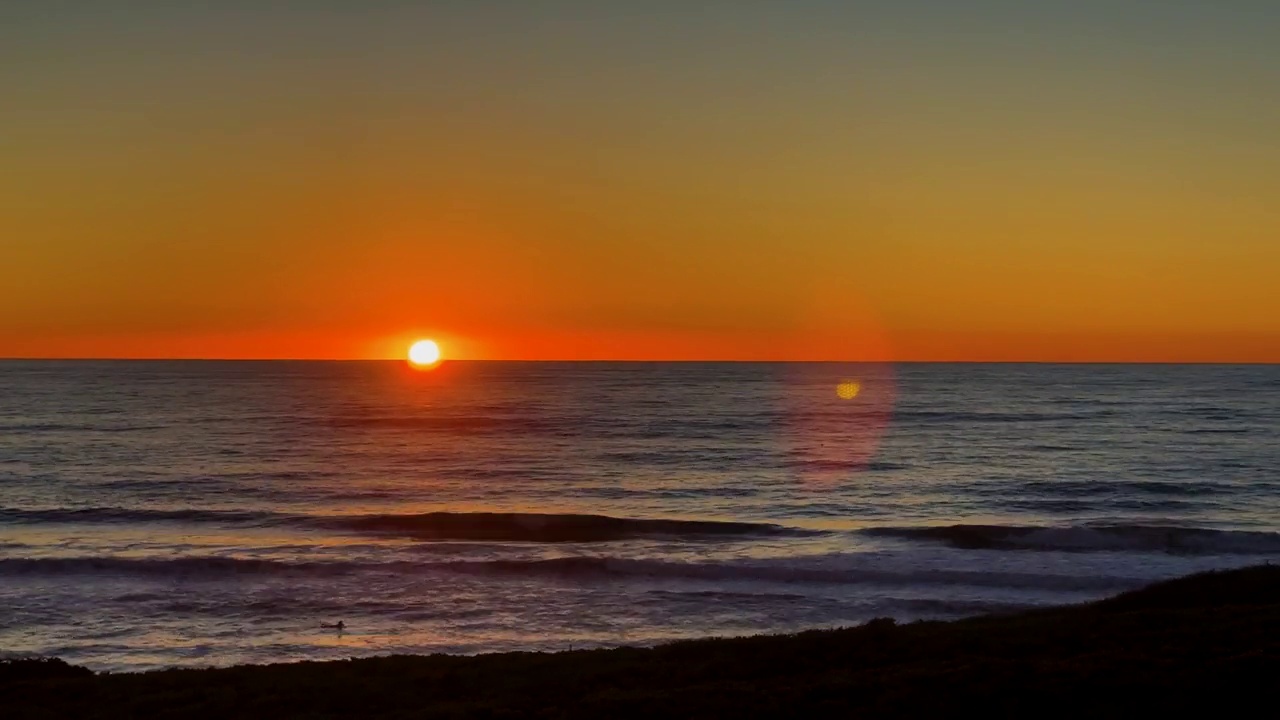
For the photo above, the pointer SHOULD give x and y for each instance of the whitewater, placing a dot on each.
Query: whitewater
(160, 514)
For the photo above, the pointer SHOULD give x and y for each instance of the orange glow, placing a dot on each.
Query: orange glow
(424, 353)
(1090, 207)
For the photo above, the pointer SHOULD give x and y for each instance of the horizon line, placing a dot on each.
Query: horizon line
(650, 361)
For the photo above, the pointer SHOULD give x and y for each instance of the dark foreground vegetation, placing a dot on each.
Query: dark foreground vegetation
(1206, 645)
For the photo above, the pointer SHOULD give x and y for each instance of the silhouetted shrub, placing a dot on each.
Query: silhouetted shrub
(1257, 585)
(881, 624)
(39, 668)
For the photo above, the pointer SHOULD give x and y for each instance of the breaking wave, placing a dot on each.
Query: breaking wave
(1100, 538)
(484, 526)
(537, 527)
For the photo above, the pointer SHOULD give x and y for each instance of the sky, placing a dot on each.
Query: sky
(882, 180)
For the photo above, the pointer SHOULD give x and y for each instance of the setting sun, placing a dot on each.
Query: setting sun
(424, 353)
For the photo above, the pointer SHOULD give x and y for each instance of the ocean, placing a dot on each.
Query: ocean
(209, 513)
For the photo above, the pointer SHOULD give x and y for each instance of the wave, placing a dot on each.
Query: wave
(1097, 538)
(43, 427)
(845, 464)
(1103, 488)
(482, 526)
(537, 527)
(193, 567)
(130, 515)
(1078, 506)
(573, 569)
(943, 416)
(550, 424)
(922, 605)
(960, 607)
(791, 572)
(448, 423)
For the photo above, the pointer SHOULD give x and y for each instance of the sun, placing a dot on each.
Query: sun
(424, 353)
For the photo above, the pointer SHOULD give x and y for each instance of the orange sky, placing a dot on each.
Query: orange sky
(913, 181)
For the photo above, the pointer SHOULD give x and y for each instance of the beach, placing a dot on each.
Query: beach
(1206, 644)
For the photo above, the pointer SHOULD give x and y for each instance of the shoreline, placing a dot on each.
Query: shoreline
(1210, 641)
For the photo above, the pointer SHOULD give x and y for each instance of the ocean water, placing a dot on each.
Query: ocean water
(157, 514)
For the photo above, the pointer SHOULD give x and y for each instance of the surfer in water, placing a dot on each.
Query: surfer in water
(339, 626)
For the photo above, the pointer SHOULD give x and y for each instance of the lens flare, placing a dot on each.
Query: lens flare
(831, 437)
(848, 389)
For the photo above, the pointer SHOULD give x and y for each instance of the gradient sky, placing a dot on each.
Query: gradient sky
(906, 179)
